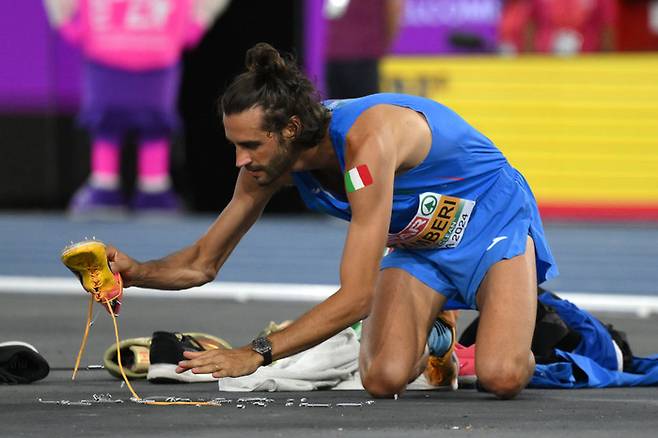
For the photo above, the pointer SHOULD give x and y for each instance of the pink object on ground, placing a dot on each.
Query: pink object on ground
(133, 34)
(466, 356)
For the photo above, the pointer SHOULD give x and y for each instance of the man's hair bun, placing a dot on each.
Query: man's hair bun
(265, 59)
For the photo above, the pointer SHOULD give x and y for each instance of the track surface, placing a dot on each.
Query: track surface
(293, 250)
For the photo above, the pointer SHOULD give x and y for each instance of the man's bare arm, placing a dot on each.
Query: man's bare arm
(199, 263)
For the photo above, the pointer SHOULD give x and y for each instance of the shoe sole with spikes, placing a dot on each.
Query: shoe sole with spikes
(88, 261)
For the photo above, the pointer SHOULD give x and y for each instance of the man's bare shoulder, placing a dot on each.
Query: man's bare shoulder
(385, 118)
(394, 130)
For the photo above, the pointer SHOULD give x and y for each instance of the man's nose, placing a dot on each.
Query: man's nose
(242, 157)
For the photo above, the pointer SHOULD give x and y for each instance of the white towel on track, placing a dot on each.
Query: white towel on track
(321, 367)
(332, 364)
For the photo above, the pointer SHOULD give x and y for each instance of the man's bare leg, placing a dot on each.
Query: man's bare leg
(395, 334)
(507, 300)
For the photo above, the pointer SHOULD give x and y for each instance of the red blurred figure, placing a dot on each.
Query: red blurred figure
(512, 24)
(559, 26)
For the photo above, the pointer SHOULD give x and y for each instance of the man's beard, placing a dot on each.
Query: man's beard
(279, 165)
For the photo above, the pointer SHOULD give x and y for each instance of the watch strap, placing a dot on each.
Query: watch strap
(262, 346)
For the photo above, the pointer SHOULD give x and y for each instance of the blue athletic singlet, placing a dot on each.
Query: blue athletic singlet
(488, 207)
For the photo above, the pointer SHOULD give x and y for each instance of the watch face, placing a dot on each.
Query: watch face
(261, 345)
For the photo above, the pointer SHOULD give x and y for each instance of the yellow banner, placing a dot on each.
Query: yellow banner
(581, 129)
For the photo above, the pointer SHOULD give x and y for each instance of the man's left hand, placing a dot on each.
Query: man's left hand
(221, 362)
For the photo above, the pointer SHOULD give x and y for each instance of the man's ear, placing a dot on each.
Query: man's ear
(293, 128)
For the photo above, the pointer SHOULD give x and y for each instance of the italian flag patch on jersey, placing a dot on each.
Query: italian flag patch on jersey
(357, 178)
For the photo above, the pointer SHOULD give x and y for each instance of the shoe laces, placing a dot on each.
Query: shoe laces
(96, 279)
(96, 296)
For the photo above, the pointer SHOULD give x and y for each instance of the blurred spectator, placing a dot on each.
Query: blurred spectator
(359, 33)
(131, 76)
(512, 25)
(638, 25)
(559, 26)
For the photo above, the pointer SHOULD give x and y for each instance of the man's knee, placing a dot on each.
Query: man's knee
(504, 378)
(385, 379)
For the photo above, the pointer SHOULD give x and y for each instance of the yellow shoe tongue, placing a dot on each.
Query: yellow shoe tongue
(141, 360)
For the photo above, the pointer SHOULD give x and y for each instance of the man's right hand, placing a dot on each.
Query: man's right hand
(122, 264)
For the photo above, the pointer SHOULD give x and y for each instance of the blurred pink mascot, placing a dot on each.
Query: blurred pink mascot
(131, 76)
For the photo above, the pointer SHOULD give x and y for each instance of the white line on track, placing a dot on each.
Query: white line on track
(640, 305)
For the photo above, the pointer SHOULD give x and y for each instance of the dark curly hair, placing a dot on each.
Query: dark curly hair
(276, 84)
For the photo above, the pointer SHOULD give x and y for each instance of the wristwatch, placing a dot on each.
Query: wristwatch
(263, 346)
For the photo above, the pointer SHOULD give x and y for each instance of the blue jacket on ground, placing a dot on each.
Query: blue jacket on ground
(593, 363)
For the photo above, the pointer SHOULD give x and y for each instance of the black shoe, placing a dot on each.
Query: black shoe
(21, 363)
(167, 350)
